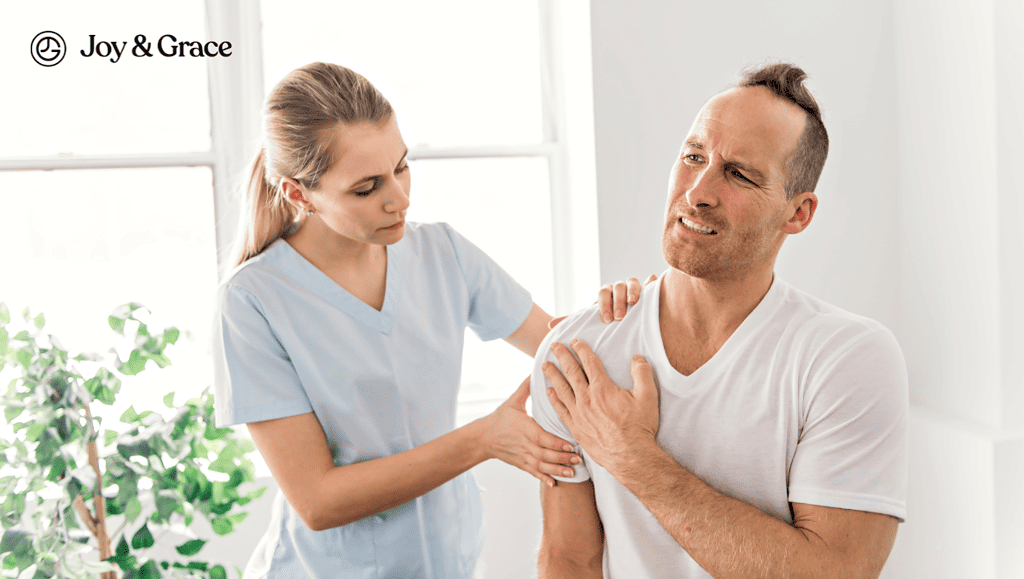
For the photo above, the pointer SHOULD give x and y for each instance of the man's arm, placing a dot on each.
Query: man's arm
(731, 539)
(728, 538)
(572, 540)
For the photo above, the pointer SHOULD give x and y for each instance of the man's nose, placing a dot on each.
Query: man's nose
(701, 192)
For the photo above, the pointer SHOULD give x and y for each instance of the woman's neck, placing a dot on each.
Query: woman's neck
(331, 252)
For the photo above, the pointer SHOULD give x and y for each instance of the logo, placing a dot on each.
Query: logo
(48, 48)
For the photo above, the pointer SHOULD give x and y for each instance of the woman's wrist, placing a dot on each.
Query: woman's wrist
(476, 433)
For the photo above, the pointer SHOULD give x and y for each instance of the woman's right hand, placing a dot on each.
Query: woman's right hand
(514, 437)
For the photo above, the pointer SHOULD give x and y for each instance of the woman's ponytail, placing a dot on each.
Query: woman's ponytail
(266, 214)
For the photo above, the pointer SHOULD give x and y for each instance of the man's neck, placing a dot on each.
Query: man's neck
(697, 316)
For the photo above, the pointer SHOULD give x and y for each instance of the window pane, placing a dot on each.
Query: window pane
(80, 243)
(90, 105)
(502, 206)
(458, 72)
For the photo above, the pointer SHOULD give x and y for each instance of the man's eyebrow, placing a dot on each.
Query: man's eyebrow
(754, 173)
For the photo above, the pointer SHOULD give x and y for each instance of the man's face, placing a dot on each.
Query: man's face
(727, 205)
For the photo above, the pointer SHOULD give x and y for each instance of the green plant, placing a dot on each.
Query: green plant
(143, 477)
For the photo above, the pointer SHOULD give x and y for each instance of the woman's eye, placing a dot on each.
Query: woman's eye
(366, 191)
(402, 169)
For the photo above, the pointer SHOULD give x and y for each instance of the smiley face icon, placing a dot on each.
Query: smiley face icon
(48, 48)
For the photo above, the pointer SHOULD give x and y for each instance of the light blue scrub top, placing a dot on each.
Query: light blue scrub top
(289, 340)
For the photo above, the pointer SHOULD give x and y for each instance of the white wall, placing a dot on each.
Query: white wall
(656, 62)
(961, 138)
(919, 228)
(919, 223)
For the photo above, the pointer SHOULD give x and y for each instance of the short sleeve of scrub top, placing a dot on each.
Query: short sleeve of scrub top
(288, 340)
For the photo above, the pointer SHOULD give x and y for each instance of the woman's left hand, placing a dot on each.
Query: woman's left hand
(514, 437)
(614, 298)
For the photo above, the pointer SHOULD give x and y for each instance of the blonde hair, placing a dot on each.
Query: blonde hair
(299, 117)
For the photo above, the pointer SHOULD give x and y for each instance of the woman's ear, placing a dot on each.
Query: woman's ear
(295, 194)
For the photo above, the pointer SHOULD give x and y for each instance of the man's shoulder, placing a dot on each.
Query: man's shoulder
(816, 321)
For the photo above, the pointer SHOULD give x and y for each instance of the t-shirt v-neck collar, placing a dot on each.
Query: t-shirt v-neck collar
(327, 289)
(723, 357)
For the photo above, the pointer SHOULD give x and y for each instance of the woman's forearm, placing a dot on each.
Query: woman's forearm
(346, 494)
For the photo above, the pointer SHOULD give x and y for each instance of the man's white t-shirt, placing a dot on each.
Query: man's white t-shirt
(804, 403)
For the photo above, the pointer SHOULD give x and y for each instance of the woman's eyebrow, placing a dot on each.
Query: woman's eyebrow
(378, 176)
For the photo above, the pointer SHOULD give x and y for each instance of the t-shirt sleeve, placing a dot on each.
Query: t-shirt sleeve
(498, 305)
(254, 378)
(543, 412)
(853, 448)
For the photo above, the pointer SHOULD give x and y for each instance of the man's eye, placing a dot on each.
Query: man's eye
(693, 157)
(740, 176)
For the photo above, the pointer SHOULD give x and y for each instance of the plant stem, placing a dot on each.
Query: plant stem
(99, 504)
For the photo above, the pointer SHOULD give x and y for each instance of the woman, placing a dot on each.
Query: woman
(339, 344)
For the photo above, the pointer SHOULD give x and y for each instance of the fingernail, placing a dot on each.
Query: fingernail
(552, 346)
(575, 341)
(551, 483)
(605, 318)
(567, 448)
(575, 460)
(618, 317)
(567, 472)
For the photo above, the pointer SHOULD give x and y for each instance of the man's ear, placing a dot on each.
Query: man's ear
(802, 207)
(295, 194)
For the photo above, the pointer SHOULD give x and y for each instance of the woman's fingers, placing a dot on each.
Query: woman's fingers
(554, 322)
(619, 295)
(615, 298)
(604, 303)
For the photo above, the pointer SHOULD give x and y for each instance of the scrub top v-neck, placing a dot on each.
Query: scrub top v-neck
(289, 340)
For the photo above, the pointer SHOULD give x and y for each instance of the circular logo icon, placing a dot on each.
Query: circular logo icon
(48, 48)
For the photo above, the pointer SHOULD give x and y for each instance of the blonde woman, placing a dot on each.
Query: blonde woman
(339, 341)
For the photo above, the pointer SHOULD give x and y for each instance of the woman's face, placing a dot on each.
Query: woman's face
(365, 194)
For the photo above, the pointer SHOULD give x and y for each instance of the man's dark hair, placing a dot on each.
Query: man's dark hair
(807, 160)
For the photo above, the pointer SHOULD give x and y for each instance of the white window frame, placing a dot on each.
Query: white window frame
(236, 98)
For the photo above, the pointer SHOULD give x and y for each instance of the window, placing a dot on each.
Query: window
(119, 173)
(478, 95)
(109, 186)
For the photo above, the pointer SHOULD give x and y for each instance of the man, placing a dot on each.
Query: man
(765, 434)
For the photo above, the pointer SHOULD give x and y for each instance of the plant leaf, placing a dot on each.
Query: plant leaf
(142, 539)
(39, 321)
(149, 570)
(135, 364)
(116, 324)
(5, 314)
(133, 509)
(222, 526)
(169, 400)
(218, 572)
(129, 416)
(13, 410)
(191, 547)
(171, 335)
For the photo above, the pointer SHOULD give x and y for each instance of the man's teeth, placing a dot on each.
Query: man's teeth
(695, 227)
